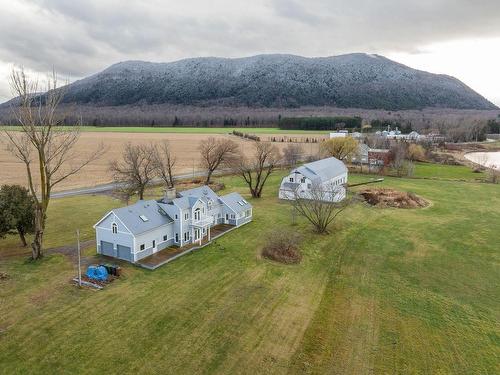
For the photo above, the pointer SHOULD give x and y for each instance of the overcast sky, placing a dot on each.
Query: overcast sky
(78, 38)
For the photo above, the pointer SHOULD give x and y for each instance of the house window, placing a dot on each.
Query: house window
(308, 186)
(165, 237)
(232, 216)
(143, 247)
(186, 216)
(176, 217)
(303, 180)
(154, 243)
(114, 228)
(291, 179)
(177, 237)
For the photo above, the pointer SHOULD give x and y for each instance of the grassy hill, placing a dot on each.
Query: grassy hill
(388, 291)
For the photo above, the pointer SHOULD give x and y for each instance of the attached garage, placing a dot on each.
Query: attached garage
(124, 252)
(107, 249)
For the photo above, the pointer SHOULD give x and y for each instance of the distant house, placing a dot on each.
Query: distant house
(134, 232)
(329, 174)
(361, 157)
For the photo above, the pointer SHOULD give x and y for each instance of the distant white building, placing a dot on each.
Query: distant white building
(329, 175)
(339, 134)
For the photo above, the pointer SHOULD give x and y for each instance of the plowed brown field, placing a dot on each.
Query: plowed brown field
(185, 147)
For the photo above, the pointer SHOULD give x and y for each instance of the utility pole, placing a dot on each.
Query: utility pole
(79, 261)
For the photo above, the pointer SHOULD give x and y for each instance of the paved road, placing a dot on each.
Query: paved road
(109, 187)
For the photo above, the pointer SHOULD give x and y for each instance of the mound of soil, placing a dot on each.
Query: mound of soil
(392, 198)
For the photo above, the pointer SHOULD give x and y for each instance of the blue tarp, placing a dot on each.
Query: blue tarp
(97, 273)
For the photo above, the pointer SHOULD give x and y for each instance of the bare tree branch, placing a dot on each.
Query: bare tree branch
(216, 152)
(43, 143)
(137, 168)
(322, 206)
(255, 170)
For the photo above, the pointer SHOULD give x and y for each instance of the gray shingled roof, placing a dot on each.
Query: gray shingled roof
(322, 170)
(130, 216)
(200, 192)
(232, 199)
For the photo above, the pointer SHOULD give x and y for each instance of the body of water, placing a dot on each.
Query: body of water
(486, 159)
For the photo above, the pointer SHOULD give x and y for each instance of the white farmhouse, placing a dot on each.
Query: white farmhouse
(328, 174)
(137, 231)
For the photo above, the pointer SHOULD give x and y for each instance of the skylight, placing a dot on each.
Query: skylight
(144, 218)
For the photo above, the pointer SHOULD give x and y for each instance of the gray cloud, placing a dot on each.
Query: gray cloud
(81, 37)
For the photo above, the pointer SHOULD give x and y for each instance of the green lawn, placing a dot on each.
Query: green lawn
(447, 172)
(388, 292)
(200, 130)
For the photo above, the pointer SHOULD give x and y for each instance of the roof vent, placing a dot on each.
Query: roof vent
(144, 218)
(205, 191)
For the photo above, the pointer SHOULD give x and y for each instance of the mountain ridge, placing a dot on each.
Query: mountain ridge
(355, 80)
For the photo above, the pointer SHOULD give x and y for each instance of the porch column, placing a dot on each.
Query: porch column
(200, 231)
(209, 233)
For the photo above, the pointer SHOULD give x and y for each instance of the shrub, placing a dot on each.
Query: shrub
(282, 246)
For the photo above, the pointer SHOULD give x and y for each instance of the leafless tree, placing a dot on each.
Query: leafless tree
(215, 153)
(399, 152)
(42, 144)
(165, 162)
(322, 205)
(136, 170)
(256, 169)
(292, 154)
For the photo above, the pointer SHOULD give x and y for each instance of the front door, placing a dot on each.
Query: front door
(196, 234)
(227, 218)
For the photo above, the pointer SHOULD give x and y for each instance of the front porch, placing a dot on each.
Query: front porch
(170, 253)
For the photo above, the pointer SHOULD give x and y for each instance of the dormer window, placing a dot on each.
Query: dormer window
(114, 228)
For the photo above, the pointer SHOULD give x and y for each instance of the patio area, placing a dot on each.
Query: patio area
(170, 253)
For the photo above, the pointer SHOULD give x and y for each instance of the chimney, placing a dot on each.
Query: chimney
(170, 194)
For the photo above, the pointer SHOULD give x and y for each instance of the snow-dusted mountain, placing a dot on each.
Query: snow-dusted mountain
(354, 80)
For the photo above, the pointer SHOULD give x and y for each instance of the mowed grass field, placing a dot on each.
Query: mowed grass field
(388, 291)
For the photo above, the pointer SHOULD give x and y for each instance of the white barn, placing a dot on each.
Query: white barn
(329, 174)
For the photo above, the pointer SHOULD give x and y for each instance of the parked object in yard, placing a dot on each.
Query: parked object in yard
(97, 273)
(112, 269)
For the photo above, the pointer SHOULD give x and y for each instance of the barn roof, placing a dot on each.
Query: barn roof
(322, 170)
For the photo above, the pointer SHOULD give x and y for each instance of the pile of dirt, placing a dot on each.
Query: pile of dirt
(392, 198)
(4, 276)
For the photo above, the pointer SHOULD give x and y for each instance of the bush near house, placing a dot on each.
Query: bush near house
(282, 245)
